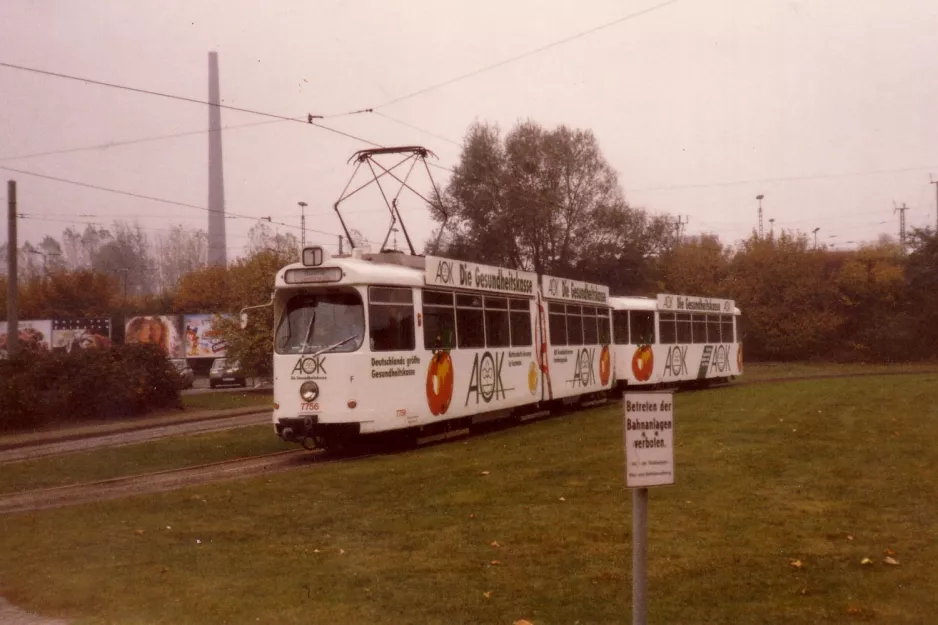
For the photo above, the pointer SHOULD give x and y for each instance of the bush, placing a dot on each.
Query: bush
(116, 382)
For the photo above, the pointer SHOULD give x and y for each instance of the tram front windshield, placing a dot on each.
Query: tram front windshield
(313, 321)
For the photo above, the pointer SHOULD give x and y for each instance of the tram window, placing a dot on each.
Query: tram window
(470, 327)
(391, 315)
(728, 334)
(667, 328)
(684, 334)
(390, 295)
(602, 319)
(699, 326)
(496, 302)
(520, 327)
(713, 328)
(497, 331)
(620, 326)
(558, 325)
(590, 335)
(469, 301)
(642, 326)
(439, 320)
(574, 326)
(520, 304)
(437, 298)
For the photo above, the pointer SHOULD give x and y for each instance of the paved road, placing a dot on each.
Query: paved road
(136, 436)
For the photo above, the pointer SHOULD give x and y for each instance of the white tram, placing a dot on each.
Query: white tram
(428, 346)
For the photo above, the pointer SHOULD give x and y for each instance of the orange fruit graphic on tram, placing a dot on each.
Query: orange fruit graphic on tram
(604, 366)
(439, 383)
(643, 363)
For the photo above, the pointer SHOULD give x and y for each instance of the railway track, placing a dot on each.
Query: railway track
(158, 481)
(268, 464)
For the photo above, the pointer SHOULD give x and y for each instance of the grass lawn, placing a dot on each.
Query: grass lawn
(224, 401)
(534, 522)
(171, 453)
(776, 370)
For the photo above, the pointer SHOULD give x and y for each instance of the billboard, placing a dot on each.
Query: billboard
(69, 334)
(34, 335)
(162, 330)
(202, 340)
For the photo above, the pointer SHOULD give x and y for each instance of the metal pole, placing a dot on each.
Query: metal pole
(303, 206)
(639, 556)
(13, 330)
(340, 245)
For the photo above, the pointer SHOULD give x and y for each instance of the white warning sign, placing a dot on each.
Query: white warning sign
(649, 439)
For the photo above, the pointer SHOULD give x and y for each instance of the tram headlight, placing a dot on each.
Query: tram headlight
(309, 391)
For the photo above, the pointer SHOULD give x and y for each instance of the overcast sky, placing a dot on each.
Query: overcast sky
(827, 107)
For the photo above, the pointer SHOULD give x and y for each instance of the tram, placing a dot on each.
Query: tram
(429, 346)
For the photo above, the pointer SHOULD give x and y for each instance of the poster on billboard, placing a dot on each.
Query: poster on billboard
(202, 340)
(162, 330)
(34, 335)
(69, 334)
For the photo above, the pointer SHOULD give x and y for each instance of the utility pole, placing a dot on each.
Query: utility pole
(901, 210)
(13, 329)
(815, 237)
(303, 206)
(679, 225)
(935, 182)
(772, 227)
(759, 197)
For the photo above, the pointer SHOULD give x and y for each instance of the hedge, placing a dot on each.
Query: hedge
(89, 384)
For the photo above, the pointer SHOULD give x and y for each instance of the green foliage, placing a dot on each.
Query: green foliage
(788, 298)
(88, 384)
(541, 200)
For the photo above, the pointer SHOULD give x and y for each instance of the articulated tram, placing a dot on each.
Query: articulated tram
(428, 346)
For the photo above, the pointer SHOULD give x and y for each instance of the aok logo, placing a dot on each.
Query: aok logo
(584, 372)
(486, 378)
(675, 363)
(310, 366)
(721, 359)
(444, 272)
(553, 287)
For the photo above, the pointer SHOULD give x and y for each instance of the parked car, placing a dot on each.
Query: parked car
(186, 374)
(224, 371)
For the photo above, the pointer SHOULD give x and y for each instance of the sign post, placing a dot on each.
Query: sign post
(649, 461)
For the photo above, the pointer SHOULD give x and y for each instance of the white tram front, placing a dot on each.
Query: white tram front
(378, 342)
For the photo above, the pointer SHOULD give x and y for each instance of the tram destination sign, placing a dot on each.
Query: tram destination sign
(574, 290)
(649, 439)
(461, 275)
(687, 303)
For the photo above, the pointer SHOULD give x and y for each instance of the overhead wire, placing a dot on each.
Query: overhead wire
(115, 144)
(151, 198)
(524, 55)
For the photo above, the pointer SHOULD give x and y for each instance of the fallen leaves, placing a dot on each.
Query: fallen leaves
(494, 544)
(866, 561)
(798, 564)
(484, 473)
(891, 561)
(139, 532)
(522, 622)
(487, 594)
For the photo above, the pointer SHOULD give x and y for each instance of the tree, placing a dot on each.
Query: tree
(696, 266)
(262, 239)
(922, 278)
(205, 290)
(544, 201)
(127, 253)
(79, 248)
(179, 253)
(788, 298)
(250, 283)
